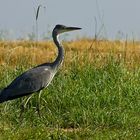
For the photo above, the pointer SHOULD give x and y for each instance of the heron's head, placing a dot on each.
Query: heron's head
(61, 29)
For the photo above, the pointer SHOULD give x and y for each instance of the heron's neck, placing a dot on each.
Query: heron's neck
(60, 56)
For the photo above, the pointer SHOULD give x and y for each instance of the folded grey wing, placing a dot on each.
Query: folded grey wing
(27, 83)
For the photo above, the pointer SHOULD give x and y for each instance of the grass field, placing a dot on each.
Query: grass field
(94, 96)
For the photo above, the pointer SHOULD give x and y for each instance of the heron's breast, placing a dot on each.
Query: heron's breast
(49, 79)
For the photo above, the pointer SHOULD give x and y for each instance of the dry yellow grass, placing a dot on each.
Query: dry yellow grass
(13, 53)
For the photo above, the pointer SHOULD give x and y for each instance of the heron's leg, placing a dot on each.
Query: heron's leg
(28, 99)
(38, 103)
(22, 108)
(24, 102)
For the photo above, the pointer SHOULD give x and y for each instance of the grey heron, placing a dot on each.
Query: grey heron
(39, 77)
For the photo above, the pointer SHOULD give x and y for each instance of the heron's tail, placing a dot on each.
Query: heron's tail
(2, 97)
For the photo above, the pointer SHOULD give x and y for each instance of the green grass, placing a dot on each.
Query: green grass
(84, 102)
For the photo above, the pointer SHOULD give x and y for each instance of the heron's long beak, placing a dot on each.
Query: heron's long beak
(72, 28)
